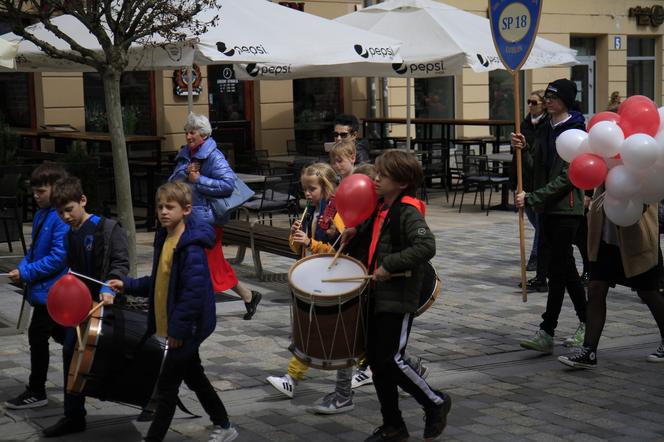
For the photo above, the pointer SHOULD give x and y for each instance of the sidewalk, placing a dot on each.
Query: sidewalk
(470, 338)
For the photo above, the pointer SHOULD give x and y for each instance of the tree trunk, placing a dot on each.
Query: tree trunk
(111, 79)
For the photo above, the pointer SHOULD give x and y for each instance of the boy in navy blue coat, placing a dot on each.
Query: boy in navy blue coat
(182, 309)
(38, 270)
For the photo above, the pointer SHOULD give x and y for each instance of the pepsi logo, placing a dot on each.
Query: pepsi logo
(221, 47)
(373, 51)
(483, 62)
(254, 70)
(239, 50)
(361, 52)
(437, 67)
(400, 68)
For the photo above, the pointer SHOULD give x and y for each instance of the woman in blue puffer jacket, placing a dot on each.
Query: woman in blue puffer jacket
(205, 168)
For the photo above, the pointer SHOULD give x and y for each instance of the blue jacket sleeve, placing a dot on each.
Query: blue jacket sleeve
(193, 289)
(180, 172)
(54, 261)
(217, 178)
(137, 286)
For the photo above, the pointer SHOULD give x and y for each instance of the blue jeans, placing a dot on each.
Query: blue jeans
(74, 404)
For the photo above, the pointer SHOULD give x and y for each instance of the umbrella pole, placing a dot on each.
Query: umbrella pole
(408, 100)
(190, 90)
(519, 186)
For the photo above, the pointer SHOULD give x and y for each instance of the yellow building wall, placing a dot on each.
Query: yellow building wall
(59, 96)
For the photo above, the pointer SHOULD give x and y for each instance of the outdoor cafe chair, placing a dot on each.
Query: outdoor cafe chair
(10, 210)
(475, 177)
(278, 196)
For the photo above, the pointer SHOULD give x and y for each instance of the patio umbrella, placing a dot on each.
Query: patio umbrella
(248, 31)
(7, 54)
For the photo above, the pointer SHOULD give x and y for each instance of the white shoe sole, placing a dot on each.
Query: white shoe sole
(651, 358)
(228, 437)
(277, 385)
(321, 410)
(36, 404)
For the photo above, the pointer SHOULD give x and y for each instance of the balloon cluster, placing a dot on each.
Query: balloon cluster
(623, 150)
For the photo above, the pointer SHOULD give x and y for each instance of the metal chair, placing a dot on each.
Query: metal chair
(474, 177)
(277, 197)
(10, 210)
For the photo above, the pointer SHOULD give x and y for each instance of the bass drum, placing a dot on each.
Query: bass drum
(118, 362)
(431, 285)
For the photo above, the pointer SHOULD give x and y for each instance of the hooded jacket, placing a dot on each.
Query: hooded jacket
(217, 179)
(190, 302)
(553, 192)
(46, 260)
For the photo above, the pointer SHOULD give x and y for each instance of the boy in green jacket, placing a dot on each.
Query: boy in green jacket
(399, 241)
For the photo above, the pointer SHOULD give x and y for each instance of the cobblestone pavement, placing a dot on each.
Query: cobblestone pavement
(470, 338)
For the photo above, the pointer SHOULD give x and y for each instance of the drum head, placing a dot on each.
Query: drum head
(307, 274)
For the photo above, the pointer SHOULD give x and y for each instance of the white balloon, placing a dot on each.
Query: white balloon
(661, 119)
(621, 183)
(659, 138)
(569, 142)
(639, 151)
(622, 212)
(605, 138)
(652, 185)
(613, 162)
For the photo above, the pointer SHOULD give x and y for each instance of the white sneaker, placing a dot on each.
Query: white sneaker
(221, 434)
(362, 377)
(284, 384)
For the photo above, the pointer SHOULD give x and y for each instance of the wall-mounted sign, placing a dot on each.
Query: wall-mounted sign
(617, 42)
(180, 81)
(648, 15)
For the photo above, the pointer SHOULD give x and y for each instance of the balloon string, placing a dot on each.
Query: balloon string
(88, 278)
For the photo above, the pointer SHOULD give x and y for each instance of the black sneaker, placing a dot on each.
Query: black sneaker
(583, 357)
(389, 433)
(251, 305)
(27, 399)
(536, 285)
(435, 419)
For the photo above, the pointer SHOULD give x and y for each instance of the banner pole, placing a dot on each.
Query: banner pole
(519, 185)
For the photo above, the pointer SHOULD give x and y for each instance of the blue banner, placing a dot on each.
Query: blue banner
(514, 26)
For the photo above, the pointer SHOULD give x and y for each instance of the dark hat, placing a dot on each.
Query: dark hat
(563, 89)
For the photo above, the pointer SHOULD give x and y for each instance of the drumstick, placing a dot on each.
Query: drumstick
(96, 307)
(336, 255)
(406, 274)
(88, 278)
(4, 274)
(80, 339)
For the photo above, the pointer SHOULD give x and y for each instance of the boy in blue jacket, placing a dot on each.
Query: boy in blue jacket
(182, 309)
(96, 247)
(38, 270)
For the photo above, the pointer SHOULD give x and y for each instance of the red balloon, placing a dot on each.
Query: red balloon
(356, 199)
(587, 171)
(603, 116)
(639, 114)
(69, 301)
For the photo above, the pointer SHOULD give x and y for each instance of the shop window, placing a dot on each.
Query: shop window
(136, 95)
(227, 95)
(501, 98)
(316, 101)
(16, 99)
(641, 66)
(434, 98)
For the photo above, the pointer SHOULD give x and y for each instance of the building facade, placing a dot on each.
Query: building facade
(619, 44)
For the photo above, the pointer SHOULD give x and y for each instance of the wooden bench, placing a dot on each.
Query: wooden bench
(259, 238)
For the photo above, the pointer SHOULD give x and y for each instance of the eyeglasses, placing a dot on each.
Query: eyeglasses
(533, 102)
(340, 134)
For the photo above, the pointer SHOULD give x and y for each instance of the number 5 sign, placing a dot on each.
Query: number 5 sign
(514, 26)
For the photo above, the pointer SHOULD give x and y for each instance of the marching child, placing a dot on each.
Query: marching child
(318, 181)
(96, 247)
(342, 158)
(182, 309)
(38, 270)
(399, 241)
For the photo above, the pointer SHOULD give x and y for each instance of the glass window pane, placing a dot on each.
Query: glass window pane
(434, 98)
(640, 47)
(316, 101)
(641, 78)
(583, 45)
(15, 107)
(135, 95)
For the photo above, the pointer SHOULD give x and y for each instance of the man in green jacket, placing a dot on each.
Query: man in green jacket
(561, 207)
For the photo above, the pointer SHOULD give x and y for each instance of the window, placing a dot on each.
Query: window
(228, 96)
(641, 66)
(434, 98)
(136, 95)
(16, 99)
(501, 98)
(583, 74)
(316, 102)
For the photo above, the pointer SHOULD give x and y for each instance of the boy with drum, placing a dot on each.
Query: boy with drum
(398, 240)
(182, 309)
(96, 247)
